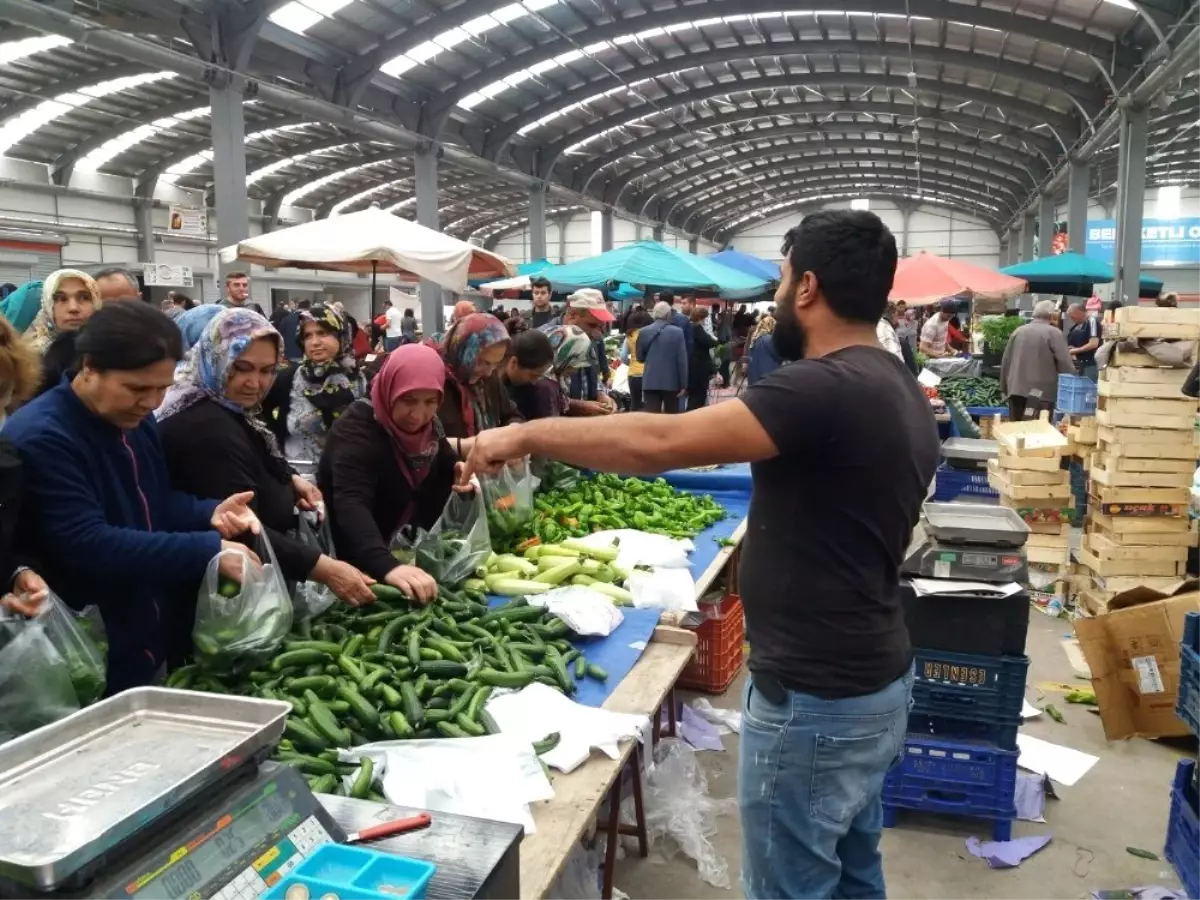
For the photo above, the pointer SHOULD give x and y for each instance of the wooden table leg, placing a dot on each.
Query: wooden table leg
(671, 713)
(638, 829)
(614, 835)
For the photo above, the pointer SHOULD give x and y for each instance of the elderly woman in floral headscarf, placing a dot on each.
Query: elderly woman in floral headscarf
(69, 297)
(475, 397)
(216, 445)
(307, 399)
(574, 351)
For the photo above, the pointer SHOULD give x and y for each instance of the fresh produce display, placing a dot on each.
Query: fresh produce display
(997, 330)
(976, 390)
(392, 670)
(604, 501)
(545, 566)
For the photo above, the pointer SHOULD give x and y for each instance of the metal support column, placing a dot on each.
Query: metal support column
(1046, 226)
(229, 168)
(425, 164)
(537, 221)
(143, 217)
(1078, 179)
(606, 231)
(563, 221)
(1028, 223)
(659, 231)
(693, 245)
(1131, 197)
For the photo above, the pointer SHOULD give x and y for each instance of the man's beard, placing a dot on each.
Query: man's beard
(788, 337)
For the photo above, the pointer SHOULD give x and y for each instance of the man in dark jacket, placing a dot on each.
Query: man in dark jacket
(678, 319)
(662, 348)
(288, 328)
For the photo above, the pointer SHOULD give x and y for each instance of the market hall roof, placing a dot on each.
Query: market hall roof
(705, 115)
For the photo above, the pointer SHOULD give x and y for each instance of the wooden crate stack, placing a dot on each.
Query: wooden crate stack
(1137, 531)
(1030, 478)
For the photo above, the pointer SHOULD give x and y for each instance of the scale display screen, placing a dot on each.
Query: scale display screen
(236, 855)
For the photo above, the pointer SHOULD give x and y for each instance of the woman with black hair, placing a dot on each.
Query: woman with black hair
(99, 509)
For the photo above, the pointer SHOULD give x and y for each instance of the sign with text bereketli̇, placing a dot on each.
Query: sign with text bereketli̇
(1165, 242)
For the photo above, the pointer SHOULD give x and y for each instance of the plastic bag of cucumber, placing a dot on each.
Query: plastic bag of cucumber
(393, 671)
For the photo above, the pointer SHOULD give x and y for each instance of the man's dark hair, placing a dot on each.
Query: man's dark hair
(539, 281)
(853, 255)
(667, 297)
(233, 275)
(532, 349)
(184, 301)
(303, 304)
(638, 319)
(408, 314)
(127, 336)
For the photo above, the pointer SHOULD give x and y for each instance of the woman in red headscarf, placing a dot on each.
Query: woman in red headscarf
(387, 464)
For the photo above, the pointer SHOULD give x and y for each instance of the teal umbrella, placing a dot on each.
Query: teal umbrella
(1073, 274)
(533, 267)
(653, 265)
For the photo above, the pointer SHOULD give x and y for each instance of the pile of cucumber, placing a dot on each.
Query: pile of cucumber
(392, 670)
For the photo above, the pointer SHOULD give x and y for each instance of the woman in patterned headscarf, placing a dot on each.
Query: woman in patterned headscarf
(216, 445)
(69, 297)
(307, 399)
(475, 398)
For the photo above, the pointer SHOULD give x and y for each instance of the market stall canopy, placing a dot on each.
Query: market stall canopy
(927, 278)
(1149, 286)
(372, 240)
(744, 262)
(654, 265)
(1066, 273)
(533, 267)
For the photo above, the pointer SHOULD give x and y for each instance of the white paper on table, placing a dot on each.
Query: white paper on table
(1066, 765)
(539, 710)
(929, 378)
(491, 777)
(586, 611)
(663, 588)
(640, 548)
(1028, 710)
(925, 586)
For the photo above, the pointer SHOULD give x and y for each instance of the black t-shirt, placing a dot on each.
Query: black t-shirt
(830, 518)
(1080, 334)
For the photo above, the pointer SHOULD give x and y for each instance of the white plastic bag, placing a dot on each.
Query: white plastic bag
(508, 496)
(663, 588)
(640, 548)
(81, 654)
(35, 681)
(454, 547)
(586, 612)
(580, 875)
(311, 598)
(678, 807)
(242, 625)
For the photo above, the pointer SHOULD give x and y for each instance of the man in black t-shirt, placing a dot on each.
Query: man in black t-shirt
(843, 446)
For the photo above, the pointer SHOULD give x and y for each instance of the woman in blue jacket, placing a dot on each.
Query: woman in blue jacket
(99, 510)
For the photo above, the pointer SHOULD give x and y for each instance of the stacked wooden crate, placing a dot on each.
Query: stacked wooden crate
(1137, 530)
(1030, 477)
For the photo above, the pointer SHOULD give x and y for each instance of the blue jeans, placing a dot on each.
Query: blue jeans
(809, 783)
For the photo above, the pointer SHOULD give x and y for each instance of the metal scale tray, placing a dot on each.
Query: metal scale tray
(73, 790)
(969, 453)
(974, 523)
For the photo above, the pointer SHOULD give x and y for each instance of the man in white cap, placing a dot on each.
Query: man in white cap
(586, 309)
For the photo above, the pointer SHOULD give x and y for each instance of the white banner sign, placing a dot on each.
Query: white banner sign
(166, 276)
(185, 220)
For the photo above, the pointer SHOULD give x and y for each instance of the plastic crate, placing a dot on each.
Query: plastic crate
(950, 483)
(1003, 736)
(1183, 828)
(969, 687)
(964, 778)
(1187, 706)
(718, 656)
(1076, 395)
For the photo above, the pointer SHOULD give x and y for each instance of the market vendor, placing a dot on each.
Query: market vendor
(216, 445)
(474, 398)
(843, 447)
(387, 464)
(306, 399)
(935, 333)
(1083, 339)
(99, 511)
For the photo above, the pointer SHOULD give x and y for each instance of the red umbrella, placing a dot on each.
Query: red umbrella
(927, 278)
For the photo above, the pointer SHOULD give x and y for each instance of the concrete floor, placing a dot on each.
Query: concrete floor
(1123, 801)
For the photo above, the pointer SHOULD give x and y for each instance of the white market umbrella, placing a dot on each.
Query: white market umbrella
(372, 240)
(519, 283)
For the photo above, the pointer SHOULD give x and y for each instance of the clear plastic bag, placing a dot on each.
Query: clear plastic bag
(454, 547)
(35, 682)
(241, 624)
(310, 598)
(70, 636)
(509, 498)
(678, 807)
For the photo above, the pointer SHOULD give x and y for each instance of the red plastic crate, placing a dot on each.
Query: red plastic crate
(718, 656)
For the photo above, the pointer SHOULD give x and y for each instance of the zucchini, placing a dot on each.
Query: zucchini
(411, 703)
(325, 784)
(290, 658)
(302, 736)
(504, 679)
(360, 707)
(362, 781)
(546, 744)
(442, 668)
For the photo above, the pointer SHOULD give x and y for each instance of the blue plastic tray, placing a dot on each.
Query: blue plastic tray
(355, 872)
(1187, 706)
(1183, 828)
(965, 686)
(1003, 736)
(949, 483)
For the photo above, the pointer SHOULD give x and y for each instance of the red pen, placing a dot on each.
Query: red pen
(387, 829)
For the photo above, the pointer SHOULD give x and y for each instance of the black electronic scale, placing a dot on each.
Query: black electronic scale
(234, 842)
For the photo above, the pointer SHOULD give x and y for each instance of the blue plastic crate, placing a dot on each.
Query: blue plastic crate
(949, 483)
(1187, 706)
(1183, 828)
(1076, 395)
(358, 872)
(1003, 736)
(964, 778)
(968, 687)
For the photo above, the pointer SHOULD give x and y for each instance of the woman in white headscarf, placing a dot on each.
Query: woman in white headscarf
(69, 297)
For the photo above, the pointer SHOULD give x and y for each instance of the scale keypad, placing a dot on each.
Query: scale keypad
(276, 862)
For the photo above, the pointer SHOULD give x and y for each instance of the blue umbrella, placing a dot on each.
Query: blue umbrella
(744, 262)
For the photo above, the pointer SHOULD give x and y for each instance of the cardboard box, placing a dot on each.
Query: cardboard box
(1132, 650)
